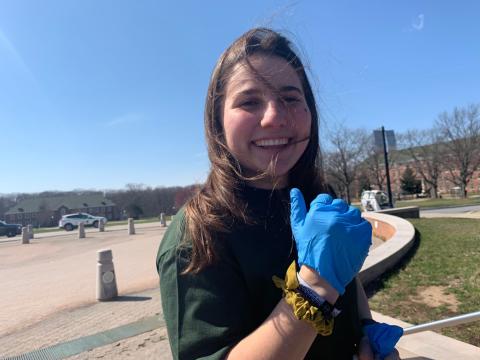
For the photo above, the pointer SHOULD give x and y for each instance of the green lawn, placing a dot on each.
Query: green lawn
(445, 266)
(433, 203)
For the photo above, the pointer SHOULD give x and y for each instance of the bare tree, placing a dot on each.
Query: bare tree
(425, 148)
(375, 166)
(342, 162)
(460, 131)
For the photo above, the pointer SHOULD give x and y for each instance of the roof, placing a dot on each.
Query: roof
(55, 202)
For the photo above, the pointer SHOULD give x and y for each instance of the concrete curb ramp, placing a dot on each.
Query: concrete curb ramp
(400, 235)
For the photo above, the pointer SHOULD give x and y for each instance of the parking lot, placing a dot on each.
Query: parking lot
(57, 271)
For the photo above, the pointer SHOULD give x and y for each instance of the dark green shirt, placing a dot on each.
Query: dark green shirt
(208, 313)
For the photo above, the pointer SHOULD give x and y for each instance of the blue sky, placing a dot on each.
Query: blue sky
(98, 94)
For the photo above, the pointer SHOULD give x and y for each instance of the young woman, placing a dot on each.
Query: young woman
(249, 224)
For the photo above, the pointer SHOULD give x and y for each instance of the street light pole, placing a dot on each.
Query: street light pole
(387, 170)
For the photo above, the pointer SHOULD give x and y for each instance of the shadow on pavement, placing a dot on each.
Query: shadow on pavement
(132, 298)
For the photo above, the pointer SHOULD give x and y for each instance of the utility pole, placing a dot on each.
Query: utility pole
(387, 170)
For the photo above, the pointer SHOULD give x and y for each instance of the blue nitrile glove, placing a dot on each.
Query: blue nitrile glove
(383, 337)
(331, 238)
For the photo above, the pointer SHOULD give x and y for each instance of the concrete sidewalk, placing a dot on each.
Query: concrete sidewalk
(72, 324)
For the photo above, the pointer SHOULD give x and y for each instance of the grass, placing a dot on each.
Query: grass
(433, 203)
(447, 257)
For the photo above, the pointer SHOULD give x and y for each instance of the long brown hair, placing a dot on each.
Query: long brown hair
(213, 210)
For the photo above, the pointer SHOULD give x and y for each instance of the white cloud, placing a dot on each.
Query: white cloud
(418, 23)
(129, 118)
(9, 52)
(12, 52)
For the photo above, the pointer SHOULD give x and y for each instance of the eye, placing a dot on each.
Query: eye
(249, 103)
(291, 99)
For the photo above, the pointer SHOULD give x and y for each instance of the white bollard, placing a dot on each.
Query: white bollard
(106, 280)
(131, 227)
(25, 236)
(163, 221)
(30, 231)
(81, 230)
(101, 225)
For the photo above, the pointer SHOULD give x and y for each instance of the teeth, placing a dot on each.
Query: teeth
(271, 142)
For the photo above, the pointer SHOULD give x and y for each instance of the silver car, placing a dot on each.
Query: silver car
(71, 221)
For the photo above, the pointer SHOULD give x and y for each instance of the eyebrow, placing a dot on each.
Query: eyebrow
(254, 91)
(291, 88)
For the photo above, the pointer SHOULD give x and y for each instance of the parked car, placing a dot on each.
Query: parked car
(71, 221)
(10, 230)
(374, 200)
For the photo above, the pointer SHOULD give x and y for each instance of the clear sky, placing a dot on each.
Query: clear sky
(98, 94)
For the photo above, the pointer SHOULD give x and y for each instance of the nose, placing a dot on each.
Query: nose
(275, 114)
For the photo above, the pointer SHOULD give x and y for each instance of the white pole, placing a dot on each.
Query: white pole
(456, 320)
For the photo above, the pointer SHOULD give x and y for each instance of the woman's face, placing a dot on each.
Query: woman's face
(266, 118)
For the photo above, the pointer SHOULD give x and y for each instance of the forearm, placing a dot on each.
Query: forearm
(362, 301)
(282, 335)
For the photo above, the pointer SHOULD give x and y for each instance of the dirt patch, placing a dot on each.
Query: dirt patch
(435, 296)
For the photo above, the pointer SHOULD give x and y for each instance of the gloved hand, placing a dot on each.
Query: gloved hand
(331, 238)
(382, 337)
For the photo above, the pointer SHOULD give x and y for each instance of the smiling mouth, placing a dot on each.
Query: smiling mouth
(271, 143)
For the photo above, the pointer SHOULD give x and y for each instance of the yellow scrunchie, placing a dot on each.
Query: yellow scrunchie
(301, 307)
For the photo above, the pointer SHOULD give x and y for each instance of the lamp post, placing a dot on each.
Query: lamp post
(381, 143)
(387, 170)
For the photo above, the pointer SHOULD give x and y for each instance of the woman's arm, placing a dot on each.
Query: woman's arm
(362, 301)
(281, 335)
(365, 351)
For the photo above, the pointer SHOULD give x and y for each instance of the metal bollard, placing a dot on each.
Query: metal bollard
(131, 227)
(25, 236)
(101, 225)
(81, 230)
(30, 231)
(163, 221)
(106, 280)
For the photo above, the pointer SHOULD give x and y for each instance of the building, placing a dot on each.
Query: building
(402, 159)
(46, 211)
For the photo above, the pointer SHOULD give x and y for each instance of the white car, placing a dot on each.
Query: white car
(374, 200)
(71, 221)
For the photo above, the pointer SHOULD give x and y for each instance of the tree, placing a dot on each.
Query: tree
(460, 131)
(375, 166)
(44, 216)
(410, 184)
(342, 162)
(425, 148)
(5, 204)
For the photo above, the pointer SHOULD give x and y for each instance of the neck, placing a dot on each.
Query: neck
(269, 183)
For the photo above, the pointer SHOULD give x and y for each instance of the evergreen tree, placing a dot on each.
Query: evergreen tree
(409, 183)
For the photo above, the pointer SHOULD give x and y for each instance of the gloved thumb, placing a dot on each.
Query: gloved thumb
(298, 209)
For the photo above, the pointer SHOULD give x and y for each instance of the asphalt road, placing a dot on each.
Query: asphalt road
(453, 210)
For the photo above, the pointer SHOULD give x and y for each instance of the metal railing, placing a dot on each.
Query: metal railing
(434, 325)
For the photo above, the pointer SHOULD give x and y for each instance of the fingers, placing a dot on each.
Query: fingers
(325, 199)
(298, 209)
(394, 355)
(325, 202)
(365, 352)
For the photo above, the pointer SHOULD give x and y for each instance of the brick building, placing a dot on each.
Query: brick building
(46, 211)
(445, 187)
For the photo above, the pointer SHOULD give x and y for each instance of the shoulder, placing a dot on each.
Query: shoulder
(173, 237)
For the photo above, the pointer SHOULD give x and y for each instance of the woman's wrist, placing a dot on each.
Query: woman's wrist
(319, 284)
